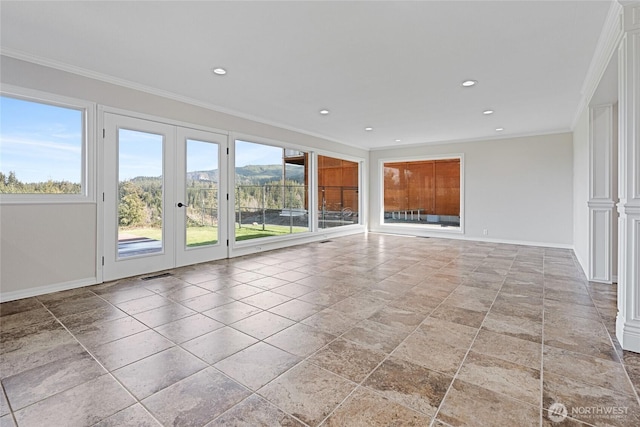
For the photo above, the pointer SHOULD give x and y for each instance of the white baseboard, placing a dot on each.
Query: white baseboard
(581, 263)
(457, 236)
(249, 247)
(628, 334)
(46, 289)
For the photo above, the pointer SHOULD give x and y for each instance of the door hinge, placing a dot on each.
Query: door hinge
(103, 197)
(227, 242)
(227, 196)
(104, 132)
(227, 151)
(102, 260)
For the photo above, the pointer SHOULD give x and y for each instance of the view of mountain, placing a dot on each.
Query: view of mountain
(253, 174)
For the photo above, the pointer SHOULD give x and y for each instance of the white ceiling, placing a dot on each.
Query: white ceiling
(395, 66)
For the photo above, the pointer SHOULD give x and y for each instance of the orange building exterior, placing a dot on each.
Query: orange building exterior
(430, 187)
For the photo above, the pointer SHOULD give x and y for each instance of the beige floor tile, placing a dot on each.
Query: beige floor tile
(257, 365)
(119, 353)
(469, 405)
(308, 392)
(331, 321)
(263, 324)
(300, 339)
(231, 313)
(296, 310)
(409, 311)
(255, 411)
(459, 315)
(188, 328)
(587, 369)
(83, 405)
(163, 315)
(410, 385)
(365, 408)
(590, 403)
(94, 334)
(219, 344)
(377, 336)
(511, 379)
(36, 384)
(436, 355)
(151, 374)
(505, 347)
(196, 400)
(348, 359)
(134, 415)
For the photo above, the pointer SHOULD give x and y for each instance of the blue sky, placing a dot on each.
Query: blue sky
(249, 153)
(41, 142)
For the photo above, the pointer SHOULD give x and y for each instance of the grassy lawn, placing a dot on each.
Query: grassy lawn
(200, 236)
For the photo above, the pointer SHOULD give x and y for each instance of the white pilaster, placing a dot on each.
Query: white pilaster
(628, 320)
(601, 192)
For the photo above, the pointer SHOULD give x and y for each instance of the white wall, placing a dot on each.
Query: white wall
(581, 190)
(47, 246)
(52, 247)
(518, 189)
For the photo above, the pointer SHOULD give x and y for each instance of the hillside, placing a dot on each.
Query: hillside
(252, 174)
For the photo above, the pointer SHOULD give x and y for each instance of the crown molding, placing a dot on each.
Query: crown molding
(486, 138)
(83, 72)
(608, 42)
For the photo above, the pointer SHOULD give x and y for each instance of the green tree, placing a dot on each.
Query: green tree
(131, 210)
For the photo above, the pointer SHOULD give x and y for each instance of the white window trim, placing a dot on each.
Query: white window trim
(362, 193)
(420, 229)
(233, 244)
(88, 182)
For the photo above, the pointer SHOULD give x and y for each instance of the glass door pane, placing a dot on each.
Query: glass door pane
(202, 185)
(140, 193)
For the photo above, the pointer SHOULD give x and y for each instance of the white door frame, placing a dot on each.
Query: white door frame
(168, 258)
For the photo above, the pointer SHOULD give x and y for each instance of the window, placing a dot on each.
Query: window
(338, 198)
(271, 191)
(43, 147)
(422, 192)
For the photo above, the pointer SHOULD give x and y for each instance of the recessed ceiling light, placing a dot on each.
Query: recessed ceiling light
(219, 71)
(469, 83)
(398, 140)
(368, 128)
(487, 112)
(324, 112)
(499, 129)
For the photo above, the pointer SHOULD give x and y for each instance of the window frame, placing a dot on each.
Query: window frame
(362, 194)
(412, 228)
(88, 149)
(311, 197)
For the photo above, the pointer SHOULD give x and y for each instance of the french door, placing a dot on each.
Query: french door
(164, 196)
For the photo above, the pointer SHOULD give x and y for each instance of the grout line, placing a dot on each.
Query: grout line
(455, 376)
(544, 312)
(108, 372)
(360, 251)
(611, 338)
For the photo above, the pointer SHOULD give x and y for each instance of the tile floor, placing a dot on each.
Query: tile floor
(366, 330)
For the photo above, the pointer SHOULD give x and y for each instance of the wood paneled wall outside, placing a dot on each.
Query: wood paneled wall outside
(432, 186)
(339, 179)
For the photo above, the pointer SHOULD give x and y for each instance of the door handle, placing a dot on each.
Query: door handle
(181, 205)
